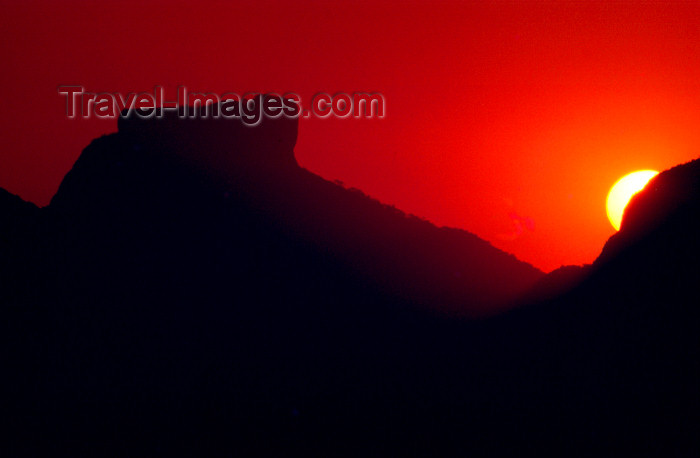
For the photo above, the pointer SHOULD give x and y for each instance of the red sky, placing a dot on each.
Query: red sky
(526, 108)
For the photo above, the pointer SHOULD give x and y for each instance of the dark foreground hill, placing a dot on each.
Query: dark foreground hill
(191, 290)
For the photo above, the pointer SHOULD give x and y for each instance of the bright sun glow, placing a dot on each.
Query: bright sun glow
(622, 191)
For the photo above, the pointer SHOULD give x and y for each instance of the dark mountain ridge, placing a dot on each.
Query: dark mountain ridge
(180, 299)
(255, 167)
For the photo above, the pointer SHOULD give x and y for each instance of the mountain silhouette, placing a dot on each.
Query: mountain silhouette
(191, 290)
(168, 163)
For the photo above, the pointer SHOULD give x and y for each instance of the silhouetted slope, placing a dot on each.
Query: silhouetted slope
(192, 301)
(152, 164)
(671, 194)
(627, 336)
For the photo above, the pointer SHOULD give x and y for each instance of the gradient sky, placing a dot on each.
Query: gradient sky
(499, 116)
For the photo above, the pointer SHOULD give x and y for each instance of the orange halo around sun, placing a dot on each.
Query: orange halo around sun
(622, 191)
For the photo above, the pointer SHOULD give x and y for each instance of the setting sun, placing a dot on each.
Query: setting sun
(622, 191)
